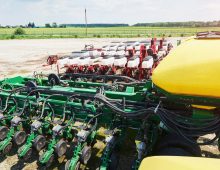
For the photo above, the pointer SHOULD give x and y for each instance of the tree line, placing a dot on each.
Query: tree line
(156, 24)
(95, 25)
(181, 24)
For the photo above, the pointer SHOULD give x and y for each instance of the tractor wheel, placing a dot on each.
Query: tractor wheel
(86, 154)
(20, 137)
(67, 165)
(114, 161)
(39, 142)
(61, 148)
(28, 154)
(7, 149)
(3, 132)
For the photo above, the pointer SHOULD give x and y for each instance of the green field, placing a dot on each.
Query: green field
(108, 32)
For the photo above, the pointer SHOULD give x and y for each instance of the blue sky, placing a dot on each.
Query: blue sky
(15, 12)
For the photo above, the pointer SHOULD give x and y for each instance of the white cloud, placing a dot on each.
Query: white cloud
(106, 11)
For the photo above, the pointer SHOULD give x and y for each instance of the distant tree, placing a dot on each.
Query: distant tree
(33, 25)
(29, 25)
(47, 25)
(54, 25)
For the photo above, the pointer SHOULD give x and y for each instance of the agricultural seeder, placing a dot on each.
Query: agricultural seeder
(61, 116)
(132, 59)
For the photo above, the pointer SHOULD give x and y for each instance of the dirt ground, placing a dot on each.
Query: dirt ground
(23, 57)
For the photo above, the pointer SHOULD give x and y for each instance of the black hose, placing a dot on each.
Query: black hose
(43, 106)
(189, 127)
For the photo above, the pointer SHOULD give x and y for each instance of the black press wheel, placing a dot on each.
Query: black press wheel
(3, 132)
(39, 142)
(61, 148)
(30, 85)
(7, 149)
(67, 165)
(53, 79)
(86, 154)
(28, 154)
(20, 137)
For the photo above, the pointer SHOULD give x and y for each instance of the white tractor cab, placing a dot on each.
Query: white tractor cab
(134, 61)
(120, 61)
(148, 62)
(108, 60)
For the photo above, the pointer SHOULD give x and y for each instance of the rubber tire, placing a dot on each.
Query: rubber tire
(61, 148)
(28, 154)
(55, 78)
(39, 142)
(20, 137)
(67, 164)
(31, 85)
(86, 154)
(177, 145)
(3, 132)
(7, 149)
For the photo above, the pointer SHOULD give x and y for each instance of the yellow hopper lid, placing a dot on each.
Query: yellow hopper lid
(179, 163)
(193, 69)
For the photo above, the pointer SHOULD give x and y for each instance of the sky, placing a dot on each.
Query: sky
(20, 12)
